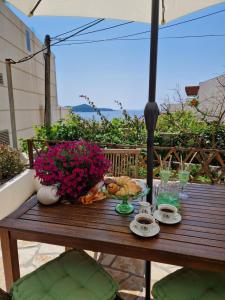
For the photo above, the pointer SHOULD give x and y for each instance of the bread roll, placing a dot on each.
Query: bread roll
(112, 188)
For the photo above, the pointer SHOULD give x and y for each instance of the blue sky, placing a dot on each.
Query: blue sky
(118, 70)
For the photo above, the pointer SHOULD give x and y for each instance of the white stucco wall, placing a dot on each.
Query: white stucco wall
(212, 94)
(28, 77)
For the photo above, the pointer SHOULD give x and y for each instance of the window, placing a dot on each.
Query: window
(4, 137)
(1, 79)
(28, 40)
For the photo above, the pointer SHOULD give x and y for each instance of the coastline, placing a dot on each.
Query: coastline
(109, 114)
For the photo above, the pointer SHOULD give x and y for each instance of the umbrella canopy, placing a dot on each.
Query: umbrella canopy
(132, 10)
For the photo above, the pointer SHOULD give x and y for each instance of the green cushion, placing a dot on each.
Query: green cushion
(74, 275)
(187, 284)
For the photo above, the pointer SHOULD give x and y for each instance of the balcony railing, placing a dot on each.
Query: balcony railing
(208, 165)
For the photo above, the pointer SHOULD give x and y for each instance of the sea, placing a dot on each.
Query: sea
(110, 114)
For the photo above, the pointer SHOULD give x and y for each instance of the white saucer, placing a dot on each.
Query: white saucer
(151, 233)
(175, 220)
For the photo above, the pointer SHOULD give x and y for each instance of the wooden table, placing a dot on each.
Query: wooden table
(198, 242)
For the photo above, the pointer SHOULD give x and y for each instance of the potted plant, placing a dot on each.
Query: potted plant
(16, 182)
(10, 163)
(70, 169)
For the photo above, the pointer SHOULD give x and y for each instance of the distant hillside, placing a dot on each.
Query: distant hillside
(88, 108)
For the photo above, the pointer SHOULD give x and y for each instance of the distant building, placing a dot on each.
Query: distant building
(18, 41)
(210, 95)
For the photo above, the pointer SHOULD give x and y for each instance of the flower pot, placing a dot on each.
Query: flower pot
(16, 191)
(47, 195)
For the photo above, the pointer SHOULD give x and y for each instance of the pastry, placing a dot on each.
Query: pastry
(109, 180)
(112, 188)
(90, 198)
(122, 192)
(93, 194)
(122, 186)
(87, 199)
(122, 180)
(99, 196)
(126, 187)
(133, 188)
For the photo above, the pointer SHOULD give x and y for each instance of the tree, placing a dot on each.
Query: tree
(175, 112)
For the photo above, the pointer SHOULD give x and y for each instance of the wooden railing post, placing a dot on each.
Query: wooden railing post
(30, 153)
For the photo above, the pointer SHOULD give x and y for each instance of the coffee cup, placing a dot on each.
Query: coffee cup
(144, 222)
(167, 211)
(145, 207)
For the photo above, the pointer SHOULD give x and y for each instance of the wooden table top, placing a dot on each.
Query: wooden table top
(198, 241)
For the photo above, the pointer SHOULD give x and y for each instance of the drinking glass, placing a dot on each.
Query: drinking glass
(169, 194)
(165, 175)
(165, 172)
(183, 176)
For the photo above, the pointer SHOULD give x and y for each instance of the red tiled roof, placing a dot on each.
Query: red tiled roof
(192, 90)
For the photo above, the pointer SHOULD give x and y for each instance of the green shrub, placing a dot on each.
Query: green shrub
(10, 162)
(180, 128)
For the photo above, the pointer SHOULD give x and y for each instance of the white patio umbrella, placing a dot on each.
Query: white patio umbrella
(147, 11)
(133, 10)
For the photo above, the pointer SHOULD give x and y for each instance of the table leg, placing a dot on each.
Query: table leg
(10, 259)
(147, 280)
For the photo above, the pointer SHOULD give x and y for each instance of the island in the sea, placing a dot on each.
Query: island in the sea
(88, 108)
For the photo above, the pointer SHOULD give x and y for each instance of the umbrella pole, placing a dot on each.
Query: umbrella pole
(47, 59)
(11, 102)
(151, 113)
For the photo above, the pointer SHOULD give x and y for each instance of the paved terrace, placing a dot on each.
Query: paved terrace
(128, 272)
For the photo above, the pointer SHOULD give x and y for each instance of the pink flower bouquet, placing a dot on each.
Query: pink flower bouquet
(75, 167)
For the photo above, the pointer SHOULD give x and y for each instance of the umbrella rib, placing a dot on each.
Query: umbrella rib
(34, 8)
(163, 21)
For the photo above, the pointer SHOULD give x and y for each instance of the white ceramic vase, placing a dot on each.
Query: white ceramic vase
(47, 195)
